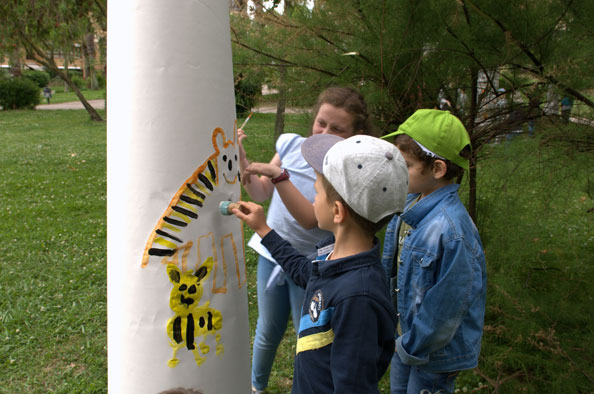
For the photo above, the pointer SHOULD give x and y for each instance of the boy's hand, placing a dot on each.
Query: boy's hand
(266, 169)
(253, 215)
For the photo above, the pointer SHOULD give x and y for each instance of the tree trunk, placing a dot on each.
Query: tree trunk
(279, 124)
(68, 82)
(66, 86)
(89, 58)
(472, 173)
(16, 64)
(49, 63)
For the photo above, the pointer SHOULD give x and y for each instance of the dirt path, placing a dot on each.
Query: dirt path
(97, 104)
(268, 108)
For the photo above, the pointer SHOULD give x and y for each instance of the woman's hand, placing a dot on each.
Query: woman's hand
(240, 137)
(266, 169)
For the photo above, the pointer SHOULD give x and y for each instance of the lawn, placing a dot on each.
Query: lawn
(52, 260)
(535, 218)
(59, 96)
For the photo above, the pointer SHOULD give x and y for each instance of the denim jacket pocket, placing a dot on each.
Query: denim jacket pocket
(424, 267)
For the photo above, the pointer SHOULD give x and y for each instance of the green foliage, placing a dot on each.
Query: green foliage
(536, 228)
(4, 74)
(101, 81)
(78, 81)
(47, 27)
(400, 54)
(41, 78)
(247, 93)
(18, 93)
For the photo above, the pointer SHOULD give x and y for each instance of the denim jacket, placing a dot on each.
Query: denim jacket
(441, 285)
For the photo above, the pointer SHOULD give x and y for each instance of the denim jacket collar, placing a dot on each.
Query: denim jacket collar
(416, 214)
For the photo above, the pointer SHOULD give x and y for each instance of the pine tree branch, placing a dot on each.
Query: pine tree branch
(285, 62)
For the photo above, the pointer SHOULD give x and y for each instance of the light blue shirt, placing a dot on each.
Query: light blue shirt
(288, 146)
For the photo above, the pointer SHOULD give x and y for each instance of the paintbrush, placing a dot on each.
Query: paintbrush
(246, 120)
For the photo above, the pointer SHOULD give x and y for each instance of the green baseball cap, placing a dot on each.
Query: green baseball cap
(439, 132)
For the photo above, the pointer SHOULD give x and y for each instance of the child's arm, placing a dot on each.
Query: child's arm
(293, 263)
(359, 323)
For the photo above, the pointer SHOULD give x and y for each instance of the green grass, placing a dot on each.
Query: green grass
(52, 260)
(534, 199)
(535, 218)
(60, 96)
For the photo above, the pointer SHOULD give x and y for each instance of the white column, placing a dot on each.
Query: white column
(171, 121)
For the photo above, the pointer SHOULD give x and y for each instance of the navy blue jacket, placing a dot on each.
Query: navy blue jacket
(346, 332)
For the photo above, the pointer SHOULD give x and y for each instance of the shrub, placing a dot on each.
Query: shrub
(79, 81)
(4, 73)
(19, 93)
(41, 78)
(247, 92)
(101, 81)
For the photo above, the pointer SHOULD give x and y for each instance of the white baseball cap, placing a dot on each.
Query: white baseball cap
(370, 174)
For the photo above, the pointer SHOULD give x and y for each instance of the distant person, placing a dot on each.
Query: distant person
(566, 105)
(552, 103)
(444, 103)
(434, 258)
(461, 103)
(346, 334)
(289, 182)
(534, 111)
(47, 93)
(501, 111)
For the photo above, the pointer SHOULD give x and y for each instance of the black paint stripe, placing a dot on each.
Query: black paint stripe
(165, 234)
(190, 200)
(190, 333)
(161, 252)
(195, 191)
(201, 321)
(175, 222)
(177, 336)
(205, 181)
(184, 211)
(209, 328)
(213, 173)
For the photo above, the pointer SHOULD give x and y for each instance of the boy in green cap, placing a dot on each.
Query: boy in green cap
(435, 260)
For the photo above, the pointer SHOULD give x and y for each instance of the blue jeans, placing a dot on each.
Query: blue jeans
(274, 306)
(406, 379)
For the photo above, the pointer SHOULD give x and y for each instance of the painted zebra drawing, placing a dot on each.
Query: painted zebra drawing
(183, 210)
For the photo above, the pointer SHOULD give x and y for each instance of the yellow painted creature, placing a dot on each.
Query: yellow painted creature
(191, 320)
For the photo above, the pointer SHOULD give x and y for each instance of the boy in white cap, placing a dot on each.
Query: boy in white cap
(346, 333)
(435, 259)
